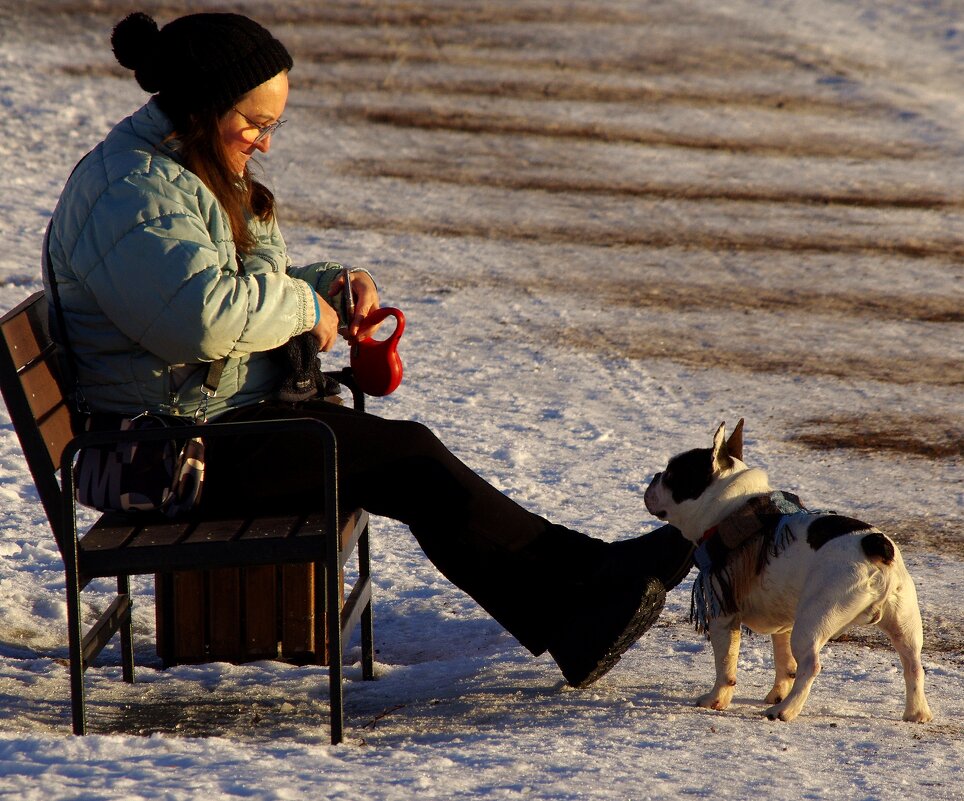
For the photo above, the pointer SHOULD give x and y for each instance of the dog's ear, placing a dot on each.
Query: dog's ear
(734, 445)
(721, 455)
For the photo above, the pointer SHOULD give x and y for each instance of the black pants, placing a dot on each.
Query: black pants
(514, 563)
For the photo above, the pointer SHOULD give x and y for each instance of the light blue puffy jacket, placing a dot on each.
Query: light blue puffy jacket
(150, 287)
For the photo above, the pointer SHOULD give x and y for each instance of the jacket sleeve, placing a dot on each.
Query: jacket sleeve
(171, 282)
(319, 275)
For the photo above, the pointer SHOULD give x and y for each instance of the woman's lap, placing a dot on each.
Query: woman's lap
(393, 468)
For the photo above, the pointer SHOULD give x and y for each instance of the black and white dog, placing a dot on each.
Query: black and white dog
(803, 577)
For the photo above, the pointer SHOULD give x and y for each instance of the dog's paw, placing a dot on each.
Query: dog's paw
(775, 696)
(781, 712)
(715, 700)
(918, 716)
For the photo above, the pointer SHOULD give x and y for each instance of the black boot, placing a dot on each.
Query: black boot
(623, 598)
(664, 553)
(584, 600)
(594, 639)
(600, 601)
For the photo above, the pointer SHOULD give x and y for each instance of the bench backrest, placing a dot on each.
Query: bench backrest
(31, 384)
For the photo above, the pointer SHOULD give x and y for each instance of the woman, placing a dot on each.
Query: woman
(167, 257)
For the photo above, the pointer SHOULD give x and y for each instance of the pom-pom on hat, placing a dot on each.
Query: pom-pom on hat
(198, 62)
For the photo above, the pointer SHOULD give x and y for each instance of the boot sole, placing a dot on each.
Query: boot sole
(641, 621)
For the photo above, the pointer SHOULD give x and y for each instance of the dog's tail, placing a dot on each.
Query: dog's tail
(878, 548)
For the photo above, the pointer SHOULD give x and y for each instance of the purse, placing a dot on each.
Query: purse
(154, 476)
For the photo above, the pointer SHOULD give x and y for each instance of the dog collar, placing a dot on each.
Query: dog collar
(708, 533)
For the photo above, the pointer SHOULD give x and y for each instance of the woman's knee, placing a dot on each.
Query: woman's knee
(415, 438)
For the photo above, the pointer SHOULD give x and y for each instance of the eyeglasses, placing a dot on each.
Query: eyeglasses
(264, 131)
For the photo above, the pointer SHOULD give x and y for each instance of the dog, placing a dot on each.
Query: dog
(768, 564)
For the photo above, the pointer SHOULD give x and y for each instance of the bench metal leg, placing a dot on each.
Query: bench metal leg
(127, 630)
(335, 650)
(75, 641)
(367, 623)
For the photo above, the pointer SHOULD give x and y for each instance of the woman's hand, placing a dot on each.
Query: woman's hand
(326, 329)
(366, 301)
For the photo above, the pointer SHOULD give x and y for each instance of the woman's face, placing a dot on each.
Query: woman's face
(259, 108)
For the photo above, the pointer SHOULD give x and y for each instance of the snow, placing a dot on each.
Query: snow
(611, 225)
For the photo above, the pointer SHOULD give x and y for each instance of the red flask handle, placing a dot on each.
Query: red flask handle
(375, 363)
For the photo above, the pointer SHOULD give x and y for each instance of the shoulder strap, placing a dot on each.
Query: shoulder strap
(213, 378)
(58, 328)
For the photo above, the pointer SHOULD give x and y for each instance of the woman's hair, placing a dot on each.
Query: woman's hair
(203, 153)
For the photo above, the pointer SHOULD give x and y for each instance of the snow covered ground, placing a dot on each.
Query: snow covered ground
(611, 225)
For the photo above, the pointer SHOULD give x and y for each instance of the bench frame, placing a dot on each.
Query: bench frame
(121, 545)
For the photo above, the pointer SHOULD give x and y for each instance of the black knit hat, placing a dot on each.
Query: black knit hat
(198, 62)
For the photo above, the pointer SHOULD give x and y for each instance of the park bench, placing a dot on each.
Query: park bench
(121, 545)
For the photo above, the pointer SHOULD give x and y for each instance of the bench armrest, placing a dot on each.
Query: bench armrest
(346, 378)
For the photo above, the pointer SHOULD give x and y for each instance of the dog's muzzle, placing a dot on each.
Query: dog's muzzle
(649, 500)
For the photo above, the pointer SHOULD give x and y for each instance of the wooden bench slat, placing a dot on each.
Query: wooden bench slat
(108, 534)
(215, 531)
(272, 528)
(260, 611)
(159, 535)
(223, 607)
(39, 381)
(149, 558)
(297, 610)
(57, 430)
(25, 332)
(189, 624)
(347, 522)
